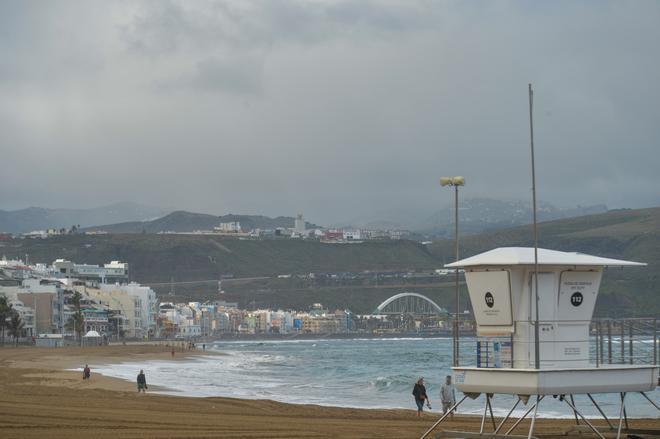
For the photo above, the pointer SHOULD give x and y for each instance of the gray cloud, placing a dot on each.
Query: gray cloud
(333, 108)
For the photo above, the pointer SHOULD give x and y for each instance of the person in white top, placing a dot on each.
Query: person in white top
(448, 396)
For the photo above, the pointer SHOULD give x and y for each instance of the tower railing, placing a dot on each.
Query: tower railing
(626, 341)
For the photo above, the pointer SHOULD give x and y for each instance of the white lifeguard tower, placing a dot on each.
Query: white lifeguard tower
(502, 289)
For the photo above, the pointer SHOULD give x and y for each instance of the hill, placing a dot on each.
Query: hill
(186, 222)
(39, 218)
(477, 216)
(155, 259)
(158, 258)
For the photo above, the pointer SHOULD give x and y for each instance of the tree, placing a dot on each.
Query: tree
(5, 312)
(76, 321)
(75, 300)
(114, 321)
(16, 325)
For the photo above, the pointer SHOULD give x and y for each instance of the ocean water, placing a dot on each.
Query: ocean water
(364, 373)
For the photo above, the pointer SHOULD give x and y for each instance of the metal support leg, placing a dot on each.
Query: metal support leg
(523, 417)
(601, 411)
(649, 400)
(483, 417)
(506, 418)
(584, 419)
(442, 418)
(625, 417)
(577, 421)
(490, 409)
(531, 425)
(618, 432)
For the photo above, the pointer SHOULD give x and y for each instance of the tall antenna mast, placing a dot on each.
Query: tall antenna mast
(537, 356)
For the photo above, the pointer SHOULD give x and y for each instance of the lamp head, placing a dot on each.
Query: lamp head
(452, 181)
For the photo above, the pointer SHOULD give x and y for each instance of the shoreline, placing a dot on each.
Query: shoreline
(39, 398)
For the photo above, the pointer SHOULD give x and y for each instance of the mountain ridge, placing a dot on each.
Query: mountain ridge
(182, 221)
(42, 218)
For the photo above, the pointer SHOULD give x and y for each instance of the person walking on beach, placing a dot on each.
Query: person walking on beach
(448, 396)
(141, 382)
(87, 372)
(419, 392)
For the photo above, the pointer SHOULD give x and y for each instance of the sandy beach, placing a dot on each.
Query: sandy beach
(40, 398)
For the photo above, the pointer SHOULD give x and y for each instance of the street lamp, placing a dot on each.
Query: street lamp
(455, 182)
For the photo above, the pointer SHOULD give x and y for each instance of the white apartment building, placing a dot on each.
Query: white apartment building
(145, 313)
(230, 227)
(352, 235)
(299, 225)
(114, 272)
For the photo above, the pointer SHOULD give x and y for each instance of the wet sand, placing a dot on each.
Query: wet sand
(39, 399)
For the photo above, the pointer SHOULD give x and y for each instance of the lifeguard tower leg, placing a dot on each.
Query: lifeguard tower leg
(623, 398)
(490, 409)
(601, 412)
(536, 409)
(483, 417)
(513, 427)
(625, 415)
(577, 421)
(584, 419)
(649, 400)
(442, 418)
(506, 418)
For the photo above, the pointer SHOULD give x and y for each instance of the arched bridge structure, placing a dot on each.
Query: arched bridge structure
(409, 303)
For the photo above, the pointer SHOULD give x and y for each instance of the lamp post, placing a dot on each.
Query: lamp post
(455, 182)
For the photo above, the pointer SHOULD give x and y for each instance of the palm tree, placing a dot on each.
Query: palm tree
(16, 325)
(5, 310)
(75, 300)
(76, 321)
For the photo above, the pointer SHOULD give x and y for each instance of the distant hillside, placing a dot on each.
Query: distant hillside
(182, 222)
(158, 258)
(625, 234)
(249, 222)
(477, 215)
(179, 221)
(39, 218)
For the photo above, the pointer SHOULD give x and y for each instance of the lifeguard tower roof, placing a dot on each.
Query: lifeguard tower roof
(525, 256)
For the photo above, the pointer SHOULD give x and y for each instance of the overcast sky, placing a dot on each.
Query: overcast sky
(331, 108)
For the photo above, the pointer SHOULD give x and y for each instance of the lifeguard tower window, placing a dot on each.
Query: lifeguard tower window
(490, 294)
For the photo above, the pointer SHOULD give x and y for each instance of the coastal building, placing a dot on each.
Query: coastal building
(96, 319)
(320, 324)
(27, 316)
(146, 314)
(114, 272)
(120, 302)
(299, 225)
(229, 227)
(44, 297)
(333, 235)
(352, 235)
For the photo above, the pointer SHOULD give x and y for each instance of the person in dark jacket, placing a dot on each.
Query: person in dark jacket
(141, 382)
(86, 372)
(419, 392)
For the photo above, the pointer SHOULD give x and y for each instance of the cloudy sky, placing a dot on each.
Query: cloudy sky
(332, 108)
